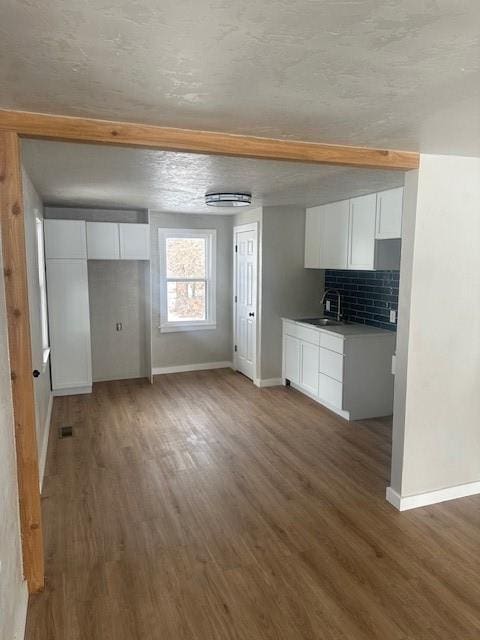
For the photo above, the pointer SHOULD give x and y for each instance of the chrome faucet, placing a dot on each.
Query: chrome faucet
(339, 300)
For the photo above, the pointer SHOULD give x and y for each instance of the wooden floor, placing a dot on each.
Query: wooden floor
(203, 508)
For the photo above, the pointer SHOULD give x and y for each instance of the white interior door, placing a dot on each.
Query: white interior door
(245, 303)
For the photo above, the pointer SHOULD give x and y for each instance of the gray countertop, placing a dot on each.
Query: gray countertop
(350, 329)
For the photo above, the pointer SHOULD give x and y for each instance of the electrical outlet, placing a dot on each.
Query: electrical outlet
(393, 316)
(327, 305)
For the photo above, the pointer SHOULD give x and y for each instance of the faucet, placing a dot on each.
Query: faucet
(339, 300)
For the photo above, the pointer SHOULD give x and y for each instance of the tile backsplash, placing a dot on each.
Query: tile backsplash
(367, 296)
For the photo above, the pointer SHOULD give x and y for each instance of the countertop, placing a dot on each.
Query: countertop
(350, 329)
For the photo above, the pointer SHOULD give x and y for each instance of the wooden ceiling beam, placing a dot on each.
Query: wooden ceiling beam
(88, 130)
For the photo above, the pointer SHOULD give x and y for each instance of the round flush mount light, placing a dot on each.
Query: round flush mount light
(228, 199)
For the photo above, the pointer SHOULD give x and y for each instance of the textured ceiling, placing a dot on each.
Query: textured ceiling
(389, 73)
(103, 176)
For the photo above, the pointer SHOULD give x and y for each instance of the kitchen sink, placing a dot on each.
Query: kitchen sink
(321, 322)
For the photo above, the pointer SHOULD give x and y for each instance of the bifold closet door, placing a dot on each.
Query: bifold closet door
(69, 317)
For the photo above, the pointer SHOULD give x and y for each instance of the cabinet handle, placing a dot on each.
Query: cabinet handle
(251, 315)
(36, 373)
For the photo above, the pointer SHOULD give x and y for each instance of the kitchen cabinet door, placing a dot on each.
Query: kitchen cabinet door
(291, 356)
(65, 239)
(361, 246)
(103, 241)
(134, 241)
(69, 324)
(309, 366)
(334, 235)
(389, 214)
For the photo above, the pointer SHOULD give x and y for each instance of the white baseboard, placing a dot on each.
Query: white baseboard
(431, 497)
(267, 382)
(203, 366)
(72, 391)
(46, 436)
(21, 613)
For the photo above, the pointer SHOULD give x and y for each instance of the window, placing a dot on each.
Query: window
(43, 291)
(187, 279)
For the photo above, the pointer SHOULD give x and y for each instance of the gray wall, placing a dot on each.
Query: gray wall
(117, 294)
(194, 347)
(13, 592)
(288, 289)
(33, 207)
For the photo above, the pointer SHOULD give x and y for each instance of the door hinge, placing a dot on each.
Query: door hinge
(235, 348)
(236, 248)
(235, 298)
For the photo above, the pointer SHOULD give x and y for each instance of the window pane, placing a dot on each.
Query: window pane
(186, 257)
(186, 301)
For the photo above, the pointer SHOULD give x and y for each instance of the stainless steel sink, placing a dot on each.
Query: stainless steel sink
(321, 322)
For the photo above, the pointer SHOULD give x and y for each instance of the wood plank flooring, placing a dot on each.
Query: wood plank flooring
(203, 508)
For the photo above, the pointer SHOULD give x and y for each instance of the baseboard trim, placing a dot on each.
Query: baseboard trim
(72, 391)
(267, 382)
(202, 366)
(431, 497)
(46, 437)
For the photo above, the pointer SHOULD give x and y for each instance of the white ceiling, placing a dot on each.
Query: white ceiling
(102, 176)
(390, 73)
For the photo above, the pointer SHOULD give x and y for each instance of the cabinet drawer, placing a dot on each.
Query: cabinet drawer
(331, 364)
(302, 333)
(329, 341)
(330, 391)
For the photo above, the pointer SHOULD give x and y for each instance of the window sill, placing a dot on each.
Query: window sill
(191, 326)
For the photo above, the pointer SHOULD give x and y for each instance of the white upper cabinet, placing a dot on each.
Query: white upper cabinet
(361, 244)
(334, 235)
(352, 234)
(134, 241)
(103, 241)
(389, 214)
(65, 239)
(326, 235)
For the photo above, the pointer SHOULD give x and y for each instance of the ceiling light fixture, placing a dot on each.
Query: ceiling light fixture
(228, 199)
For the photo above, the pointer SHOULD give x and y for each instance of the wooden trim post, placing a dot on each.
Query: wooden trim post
(16, 294)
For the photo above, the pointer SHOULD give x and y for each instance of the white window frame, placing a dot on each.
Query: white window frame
(210, 237)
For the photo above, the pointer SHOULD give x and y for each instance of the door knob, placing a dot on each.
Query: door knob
(36, 373)
(251, 314)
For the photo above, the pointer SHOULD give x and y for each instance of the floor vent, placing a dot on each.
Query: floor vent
(66, 432)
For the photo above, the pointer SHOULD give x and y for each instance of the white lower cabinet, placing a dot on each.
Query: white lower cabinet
(349, 374)
(69, 325)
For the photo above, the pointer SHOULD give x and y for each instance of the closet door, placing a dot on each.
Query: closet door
(69, 320)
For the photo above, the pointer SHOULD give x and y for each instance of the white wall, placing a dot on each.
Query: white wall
(403, 327)
(13, 590)
(33, 208)
(440, 444)
(194, 347)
